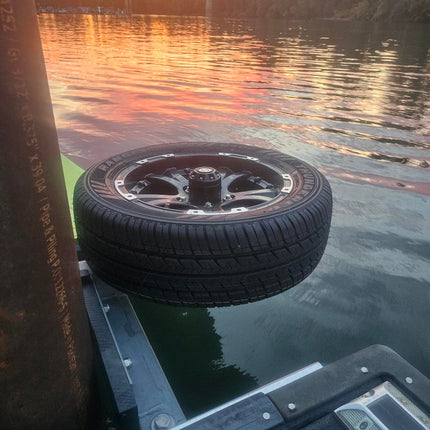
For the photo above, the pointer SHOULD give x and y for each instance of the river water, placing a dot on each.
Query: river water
(352, 99)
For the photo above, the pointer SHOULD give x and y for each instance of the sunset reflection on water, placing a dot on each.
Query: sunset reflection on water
(142, 80)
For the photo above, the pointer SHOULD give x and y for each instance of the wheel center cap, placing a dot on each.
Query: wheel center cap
(205, 170)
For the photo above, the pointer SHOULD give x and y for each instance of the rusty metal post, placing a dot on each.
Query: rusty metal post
(45, 347)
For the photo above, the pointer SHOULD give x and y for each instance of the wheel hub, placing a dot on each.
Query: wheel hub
(204, 186)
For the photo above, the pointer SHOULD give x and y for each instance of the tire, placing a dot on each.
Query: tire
(142, 238)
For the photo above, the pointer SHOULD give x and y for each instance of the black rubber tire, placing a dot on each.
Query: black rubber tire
(218, 260)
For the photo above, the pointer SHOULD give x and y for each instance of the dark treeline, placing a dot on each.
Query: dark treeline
(170, 7)
(369, 10)
(118, 4)
(159, 7)
(375, 10)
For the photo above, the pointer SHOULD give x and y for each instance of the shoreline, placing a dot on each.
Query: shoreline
(81, 10)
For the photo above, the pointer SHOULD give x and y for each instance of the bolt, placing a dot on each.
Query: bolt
(370, 393)
(409, 380)
(127, 362)
(106, 308)
(162, 422)
(292, 406)
(208, 205)
(364, 370)
(266, 416)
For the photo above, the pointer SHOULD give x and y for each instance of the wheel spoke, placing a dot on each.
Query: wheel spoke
(178, 177)
(175, 179)
(160, 179)
(158, 199)
(228, 180)
(179, 202)
(260, 194)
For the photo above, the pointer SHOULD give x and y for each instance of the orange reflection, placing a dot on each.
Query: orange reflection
(125, 78)
(146, 73)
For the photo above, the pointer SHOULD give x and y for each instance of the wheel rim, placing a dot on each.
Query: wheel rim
(174, 182)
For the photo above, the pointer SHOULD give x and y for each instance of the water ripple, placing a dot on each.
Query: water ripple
(365, 99)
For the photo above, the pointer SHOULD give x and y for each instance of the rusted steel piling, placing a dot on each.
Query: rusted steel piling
(45, 347)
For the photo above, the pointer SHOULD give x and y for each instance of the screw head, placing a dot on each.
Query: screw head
(409, 380)
(162, 422)
(364, 370)
(292, 406)
(266, 416)
(127, 362)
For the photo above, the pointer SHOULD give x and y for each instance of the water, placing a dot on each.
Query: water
(351, 99)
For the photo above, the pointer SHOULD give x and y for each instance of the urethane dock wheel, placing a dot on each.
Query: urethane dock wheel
(203, 224)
